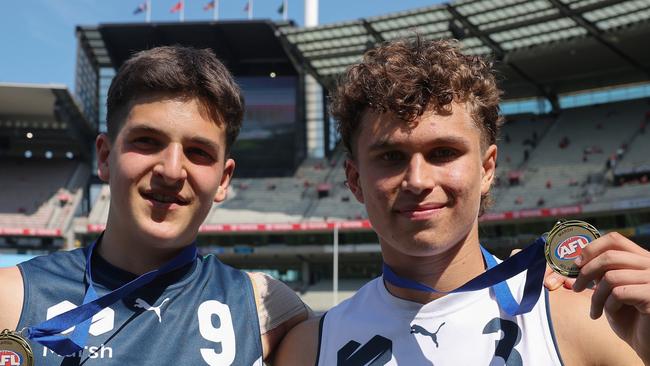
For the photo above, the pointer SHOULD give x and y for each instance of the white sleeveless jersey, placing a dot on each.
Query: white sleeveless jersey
(376, 328)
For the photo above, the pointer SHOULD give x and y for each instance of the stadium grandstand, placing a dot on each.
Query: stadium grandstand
(45, 155)
(576, 81)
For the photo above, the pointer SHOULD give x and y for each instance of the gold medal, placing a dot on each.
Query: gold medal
(564, 244)
(14, 350)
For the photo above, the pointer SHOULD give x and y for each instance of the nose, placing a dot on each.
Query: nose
(171, 167)
(418, 176)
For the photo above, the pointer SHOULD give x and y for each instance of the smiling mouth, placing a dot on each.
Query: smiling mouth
(420, 212)
(165, 199)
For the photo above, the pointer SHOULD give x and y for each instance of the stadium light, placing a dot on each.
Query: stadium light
(28, 154)
(29, 135)
(272, 75)
(48, 154)
(69, 155)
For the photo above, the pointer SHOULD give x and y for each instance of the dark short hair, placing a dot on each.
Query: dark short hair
(407, 77)
(181, 72)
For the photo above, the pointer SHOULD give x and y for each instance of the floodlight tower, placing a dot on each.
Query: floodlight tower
(313, 96)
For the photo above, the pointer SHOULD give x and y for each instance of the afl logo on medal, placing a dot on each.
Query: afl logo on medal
(14, 350)
(565, 243)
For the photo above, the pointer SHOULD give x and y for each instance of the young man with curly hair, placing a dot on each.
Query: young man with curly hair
(173, 114)
(420, 121)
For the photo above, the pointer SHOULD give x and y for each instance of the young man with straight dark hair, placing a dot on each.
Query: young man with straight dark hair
(173, 113)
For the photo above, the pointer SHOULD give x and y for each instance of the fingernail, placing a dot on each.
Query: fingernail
(578, 260)
(552, 282)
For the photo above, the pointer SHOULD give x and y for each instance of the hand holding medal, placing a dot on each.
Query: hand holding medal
(621, 270)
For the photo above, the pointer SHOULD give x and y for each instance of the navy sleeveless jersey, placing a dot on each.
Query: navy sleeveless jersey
(201, 314)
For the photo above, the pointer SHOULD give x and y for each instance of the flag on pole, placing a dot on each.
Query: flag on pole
(214, 5)
(249, 8)
(141, 8)
(177, 7)
(209, 6)
(283, 10)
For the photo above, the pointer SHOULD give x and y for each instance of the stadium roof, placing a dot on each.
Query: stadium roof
(542, 47)
(247, 47)
(48, 107)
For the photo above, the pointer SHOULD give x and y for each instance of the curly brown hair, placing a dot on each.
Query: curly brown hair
(410, 76)
(407, 77)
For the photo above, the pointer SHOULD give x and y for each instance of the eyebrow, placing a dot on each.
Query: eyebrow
(387, 144)
(197, 139)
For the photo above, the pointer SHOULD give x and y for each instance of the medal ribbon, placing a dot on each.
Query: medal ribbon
(531, 258)
(48, 333)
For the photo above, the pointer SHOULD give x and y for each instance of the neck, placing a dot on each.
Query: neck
(126, 254)
(444, 271)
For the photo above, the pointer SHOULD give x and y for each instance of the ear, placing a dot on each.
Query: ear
(222, 190)
(488, 168)
(352, 176)
(103, 146)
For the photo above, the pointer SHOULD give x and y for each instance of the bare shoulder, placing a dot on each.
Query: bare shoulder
(11, 297)
(582, 340)
(300, 346)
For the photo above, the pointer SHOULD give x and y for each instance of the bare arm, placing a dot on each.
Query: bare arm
(582, 340)
(278, 308)
(11, 297)
(300, 346)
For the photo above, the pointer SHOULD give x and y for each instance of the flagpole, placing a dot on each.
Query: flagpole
(182, 15)
(250, 9)
(215, 10)
(148, 13)
(285, 12)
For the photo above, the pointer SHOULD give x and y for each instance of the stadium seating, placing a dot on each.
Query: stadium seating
(41, 196)
(570, 155)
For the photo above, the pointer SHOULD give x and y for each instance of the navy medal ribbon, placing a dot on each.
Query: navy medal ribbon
(48, 332)
(531, 258)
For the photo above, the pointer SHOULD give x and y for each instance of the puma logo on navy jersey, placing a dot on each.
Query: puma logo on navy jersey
(434, 336)
(139, 303)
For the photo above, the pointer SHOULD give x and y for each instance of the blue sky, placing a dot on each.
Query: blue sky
(38, 43)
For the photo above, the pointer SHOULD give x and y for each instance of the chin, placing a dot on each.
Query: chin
(164, 234)
(426, 244)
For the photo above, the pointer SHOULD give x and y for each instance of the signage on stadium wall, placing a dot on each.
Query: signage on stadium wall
(357, 224)
(10, 231)
(274, 227)
(524, 214)
(300, 226)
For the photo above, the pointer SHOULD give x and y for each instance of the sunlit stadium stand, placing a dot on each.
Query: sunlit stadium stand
(44, 160)
(573, 153)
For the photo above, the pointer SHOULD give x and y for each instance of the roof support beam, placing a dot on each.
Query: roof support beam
(595, 32)
(548, 18)
(501, 56)
(372, 31)
(297, 59)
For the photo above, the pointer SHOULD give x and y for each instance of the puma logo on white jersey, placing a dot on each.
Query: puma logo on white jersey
(139, 303)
